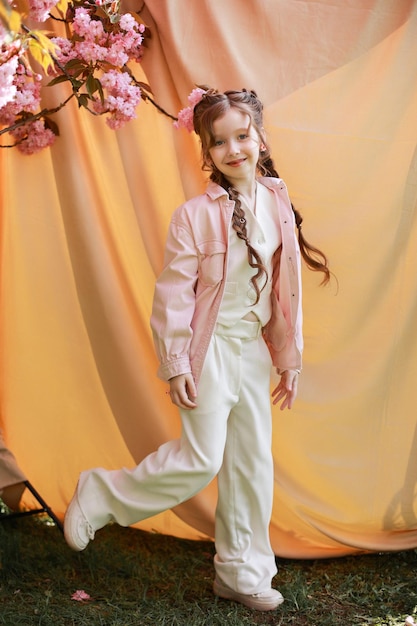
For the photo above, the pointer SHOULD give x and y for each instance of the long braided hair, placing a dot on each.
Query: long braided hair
(214, 105)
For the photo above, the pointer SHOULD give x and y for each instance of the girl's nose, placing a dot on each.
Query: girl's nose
(233, 148)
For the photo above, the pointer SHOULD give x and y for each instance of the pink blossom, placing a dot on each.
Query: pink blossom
(28, 90)
(94, 45)
(81, 596)
(81, 22)
(33, 136)
(132, 37)
(95, 30)
(132, 43)
(185, 116)
(65, 50)
(89, 51)
(185, 119)
(121, 100)
(27, 94)
(7, 87)
(127, 22)
(195, 96)
(39, 9)
(116, 54)
(84, 26)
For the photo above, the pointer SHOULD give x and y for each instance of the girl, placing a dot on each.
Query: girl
(227, 305)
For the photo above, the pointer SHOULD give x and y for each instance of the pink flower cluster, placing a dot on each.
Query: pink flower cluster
(99, 44)
(26, 97)
(94, 44)
(185, 116)
(39, 9)
(23, 99)
(34, 137)
(7, 87)
(121, 101)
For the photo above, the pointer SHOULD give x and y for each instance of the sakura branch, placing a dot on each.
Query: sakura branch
(92, 59)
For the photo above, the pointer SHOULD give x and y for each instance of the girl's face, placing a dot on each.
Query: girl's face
(235, 149)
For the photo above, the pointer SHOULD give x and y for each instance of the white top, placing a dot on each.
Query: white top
(265, 236)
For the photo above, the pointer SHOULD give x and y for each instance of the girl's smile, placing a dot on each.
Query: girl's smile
(236, 163)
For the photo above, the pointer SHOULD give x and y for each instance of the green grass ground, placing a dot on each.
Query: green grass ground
(136, 578)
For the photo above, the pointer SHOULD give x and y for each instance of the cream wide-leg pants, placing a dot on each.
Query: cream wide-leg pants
(228, 435)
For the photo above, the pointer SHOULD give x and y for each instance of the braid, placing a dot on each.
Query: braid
(254, 259)
(239, 226)
(314, 258)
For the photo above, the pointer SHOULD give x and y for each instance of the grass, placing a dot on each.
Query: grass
(136, 578)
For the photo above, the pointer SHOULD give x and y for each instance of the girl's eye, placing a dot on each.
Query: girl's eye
(242, 136)
(219, 142)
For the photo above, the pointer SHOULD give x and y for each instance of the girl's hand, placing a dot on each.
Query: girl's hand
(183, 391)
(286, 390)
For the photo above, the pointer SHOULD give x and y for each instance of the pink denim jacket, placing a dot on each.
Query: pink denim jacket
(190, 288)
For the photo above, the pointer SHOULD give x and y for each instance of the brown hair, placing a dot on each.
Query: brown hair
(214, 105)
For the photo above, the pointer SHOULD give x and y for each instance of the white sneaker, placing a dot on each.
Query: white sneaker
(78, 531)
(264, 601)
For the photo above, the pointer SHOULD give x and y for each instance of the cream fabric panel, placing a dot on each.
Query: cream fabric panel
(345, 461)
(83, 229)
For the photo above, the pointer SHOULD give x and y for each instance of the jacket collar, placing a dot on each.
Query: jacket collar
(215, 191)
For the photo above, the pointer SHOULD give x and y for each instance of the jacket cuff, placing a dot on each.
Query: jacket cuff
(293, 369)
(174, 368)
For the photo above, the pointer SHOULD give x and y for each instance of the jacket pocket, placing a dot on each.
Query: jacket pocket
(211, 258)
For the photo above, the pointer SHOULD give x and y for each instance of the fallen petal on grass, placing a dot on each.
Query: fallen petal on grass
(81, 596)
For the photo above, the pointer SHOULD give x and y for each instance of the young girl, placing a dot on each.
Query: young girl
(227, 306)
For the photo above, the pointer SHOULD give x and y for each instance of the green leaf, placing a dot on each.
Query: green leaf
(77, 84)
(92, 84)
(75, 64)
(144, 86)
(83, 100)
(100, 91)
(58, 79)
(78, 71)
(51, 125)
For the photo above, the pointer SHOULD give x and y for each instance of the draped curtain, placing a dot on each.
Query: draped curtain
(83, 226)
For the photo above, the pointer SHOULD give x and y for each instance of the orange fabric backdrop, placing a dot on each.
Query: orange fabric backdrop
(82, 235)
